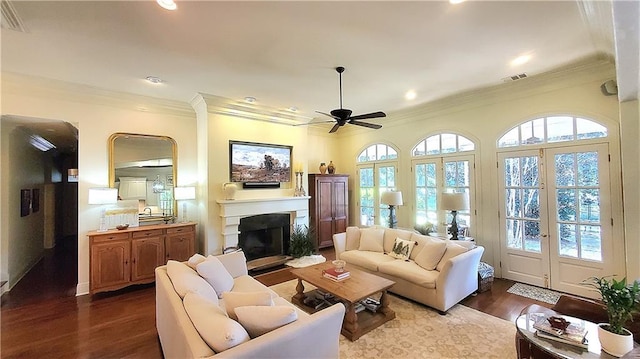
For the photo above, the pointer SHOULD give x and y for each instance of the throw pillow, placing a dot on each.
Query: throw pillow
(453, 249)
(216, 274)
(402, 249)
(216, 329)
(353, 238)
(431, 253)
(195, 260)
(260, 320)
(234, 262)
(233, 300)
(185, 279)
(371, 239)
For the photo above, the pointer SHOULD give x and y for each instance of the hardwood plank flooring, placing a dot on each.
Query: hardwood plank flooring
(40, 319)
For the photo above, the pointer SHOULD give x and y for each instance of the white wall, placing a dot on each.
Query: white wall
(98, 114)
(22, 237)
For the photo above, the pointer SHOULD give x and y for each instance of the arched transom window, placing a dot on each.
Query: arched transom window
(552, 129)
(441, 144)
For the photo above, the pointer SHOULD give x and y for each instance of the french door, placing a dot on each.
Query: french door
(373, 180)
(556, 216)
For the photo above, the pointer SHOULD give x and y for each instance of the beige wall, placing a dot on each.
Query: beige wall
(483, 117)
(97, 114)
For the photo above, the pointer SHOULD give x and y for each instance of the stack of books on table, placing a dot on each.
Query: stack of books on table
(332, 274)
(575, 334)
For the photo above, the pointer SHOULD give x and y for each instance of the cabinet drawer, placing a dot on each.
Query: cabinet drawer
(148, 233)
(110, 237)
(180, 229)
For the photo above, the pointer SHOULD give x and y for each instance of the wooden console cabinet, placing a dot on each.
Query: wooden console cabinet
(121, 258)
(328, 206)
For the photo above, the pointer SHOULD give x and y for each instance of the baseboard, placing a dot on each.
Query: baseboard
(82, 289)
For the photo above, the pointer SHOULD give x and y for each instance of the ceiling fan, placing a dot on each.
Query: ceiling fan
(342, 116)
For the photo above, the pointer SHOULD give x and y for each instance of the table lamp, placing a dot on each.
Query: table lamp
(183, 194)
(392, 199)
(103, 196)
(454, 202)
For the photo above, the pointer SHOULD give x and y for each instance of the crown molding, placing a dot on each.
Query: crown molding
(598, 18)
(67, 91)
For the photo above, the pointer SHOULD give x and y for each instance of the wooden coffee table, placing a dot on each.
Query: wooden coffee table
(359, 286)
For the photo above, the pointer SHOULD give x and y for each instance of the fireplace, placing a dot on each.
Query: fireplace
(264, 235)
(233, 212)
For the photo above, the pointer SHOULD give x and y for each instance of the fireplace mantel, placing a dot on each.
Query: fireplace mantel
(232, 210)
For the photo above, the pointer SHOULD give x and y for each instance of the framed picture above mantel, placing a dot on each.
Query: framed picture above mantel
(259, 165)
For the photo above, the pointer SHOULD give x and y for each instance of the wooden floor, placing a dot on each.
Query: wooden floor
(42, 317)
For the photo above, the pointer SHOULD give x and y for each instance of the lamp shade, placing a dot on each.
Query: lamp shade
(103, 195)
(183, 193)
(391, 198)
(455, 201)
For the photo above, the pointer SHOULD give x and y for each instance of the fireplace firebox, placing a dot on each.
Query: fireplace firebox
(265, 239)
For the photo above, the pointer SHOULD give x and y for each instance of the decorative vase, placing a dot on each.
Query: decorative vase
(323, 168)
(614, 344)
(331, 168)
(229, 189)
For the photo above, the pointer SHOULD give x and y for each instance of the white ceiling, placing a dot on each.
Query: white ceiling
(284, 53)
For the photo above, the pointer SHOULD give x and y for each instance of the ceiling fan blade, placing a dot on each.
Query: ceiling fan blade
(365, 124)
(368, 115)
(335, 128)
(313, 123)
(326, 114)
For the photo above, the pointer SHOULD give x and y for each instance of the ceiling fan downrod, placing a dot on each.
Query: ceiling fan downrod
(340, 70)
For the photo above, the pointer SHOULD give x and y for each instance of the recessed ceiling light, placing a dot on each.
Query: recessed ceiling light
(249, 99)
(410, 95)
(520, 60)
(167, 4)
(154, 79)
(293, 109)
(455, 1)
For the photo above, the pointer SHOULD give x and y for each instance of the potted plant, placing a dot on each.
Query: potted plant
(302, 242)
(621, 301)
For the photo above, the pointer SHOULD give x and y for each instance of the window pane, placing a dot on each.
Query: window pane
(568, 241)
(588, 169)
(465, 144)
(510, 138)
(532, 236)
(532, 132)
(448, 143)
(433, 145)
(559, 129)
(566, 199)
(512, 205)
(421, 175)
(450, 174)
(514, 234)
(589, 205)
(381, 152)
(391, 153)
(512, 172)
(590, 243)
(565, 172)
(589, 129)
(530, 171)
(420, 149)
(531, 203)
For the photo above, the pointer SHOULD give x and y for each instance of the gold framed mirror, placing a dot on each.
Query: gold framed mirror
(144, 169)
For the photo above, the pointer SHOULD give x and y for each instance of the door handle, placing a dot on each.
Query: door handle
(545, 235)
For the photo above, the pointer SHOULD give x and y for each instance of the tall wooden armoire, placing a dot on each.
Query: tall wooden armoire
(328, 206)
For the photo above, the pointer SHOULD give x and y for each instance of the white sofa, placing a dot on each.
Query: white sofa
(180, 338)
(447, 271)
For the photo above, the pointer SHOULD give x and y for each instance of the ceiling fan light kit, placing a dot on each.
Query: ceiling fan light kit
(342, 116)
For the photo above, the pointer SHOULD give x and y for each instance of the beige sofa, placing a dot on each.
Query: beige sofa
(440, 277)
(180, 338)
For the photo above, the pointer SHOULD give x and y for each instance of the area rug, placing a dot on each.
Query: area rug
(532, 292)
(420, 332)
